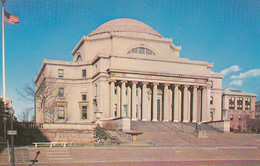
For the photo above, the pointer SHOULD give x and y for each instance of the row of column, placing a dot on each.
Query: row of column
(143, 113)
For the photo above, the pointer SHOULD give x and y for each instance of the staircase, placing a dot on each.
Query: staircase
(4, 158)
(22, 155)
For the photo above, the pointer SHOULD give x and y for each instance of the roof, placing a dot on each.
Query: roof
(237, 92)
(125, 25)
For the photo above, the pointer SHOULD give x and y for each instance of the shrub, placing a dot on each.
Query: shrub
(100, 134)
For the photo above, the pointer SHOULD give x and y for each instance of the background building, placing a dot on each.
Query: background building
(239, 108)
(126, 69)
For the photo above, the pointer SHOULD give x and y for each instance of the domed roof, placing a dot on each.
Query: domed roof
(125, 25)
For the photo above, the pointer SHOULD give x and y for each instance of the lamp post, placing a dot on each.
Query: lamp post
(11, 113)
(4, 120)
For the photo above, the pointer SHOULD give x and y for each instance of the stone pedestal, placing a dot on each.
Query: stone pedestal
(202, 134)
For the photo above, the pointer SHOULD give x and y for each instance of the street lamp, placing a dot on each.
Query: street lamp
(11, 114)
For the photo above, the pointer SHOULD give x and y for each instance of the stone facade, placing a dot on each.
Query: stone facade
(238, 107)
(125, 68)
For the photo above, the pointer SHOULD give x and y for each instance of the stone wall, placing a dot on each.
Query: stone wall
(221, 125)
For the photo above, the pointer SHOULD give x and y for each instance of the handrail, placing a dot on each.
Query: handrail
(9, 155)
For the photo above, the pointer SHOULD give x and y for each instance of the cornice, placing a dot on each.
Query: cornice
(156, 73)
(113, 35)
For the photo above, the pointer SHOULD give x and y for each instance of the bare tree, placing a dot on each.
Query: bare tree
(44, 96)
(26, 115)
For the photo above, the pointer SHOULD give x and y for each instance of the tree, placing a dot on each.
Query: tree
(44, 95)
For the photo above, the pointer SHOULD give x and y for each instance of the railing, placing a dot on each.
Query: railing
(30, 125)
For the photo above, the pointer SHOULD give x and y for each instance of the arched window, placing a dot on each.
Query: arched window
(141, 50)
(79, 59)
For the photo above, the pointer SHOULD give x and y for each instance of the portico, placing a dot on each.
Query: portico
(190, 108)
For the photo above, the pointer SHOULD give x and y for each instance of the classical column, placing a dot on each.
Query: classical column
(144, 102)
(134, 100)
(139, 91)
(194, 104)
(128, 101)
(185, 103)
(188, 105)
(208, 103)
(123, 97)
(176, 103)
(180, 105)
(118, 90)
(205, 104)
(170, 105)
(155, 101)
(112, 96)
(166, 103)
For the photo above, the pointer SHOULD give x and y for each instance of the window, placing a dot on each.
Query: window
(84, 97)
(96, 88)
(211, 84)
(60, 73)
(231, 103)
(61, 92)
(248, 104)
(231, 118)
(211, 100)
(84, 73)
(239, 103)
(84, 112)
(239, 118)
(136, 110)
(115, 111)
(61, 112)
(125, 110)
(141, 50)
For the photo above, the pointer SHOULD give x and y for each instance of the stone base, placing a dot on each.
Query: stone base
(202, 134)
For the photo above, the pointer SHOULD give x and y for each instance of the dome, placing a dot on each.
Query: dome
(125, 25)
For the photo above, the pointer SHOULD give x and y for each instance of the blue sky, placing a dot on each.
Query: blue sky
(223, 32)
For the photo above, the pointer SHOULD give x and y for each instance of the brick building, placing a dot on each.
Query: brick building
(238, 107)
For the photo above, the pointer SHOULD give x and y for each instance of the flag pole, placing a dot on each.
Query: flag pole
(3, 49)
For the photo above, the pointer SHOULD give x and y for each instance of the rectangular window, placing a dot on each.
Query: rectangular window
(61, 112)
(211, 100)
(239, 103)
(231, 103)
(211, 84)
(84, 97)
(231, 118)
(60, 73)
(61, 92)
(136, 110)
(115, 111)
(125, 110)
(84, 73)
(247, 104)
(84, 112)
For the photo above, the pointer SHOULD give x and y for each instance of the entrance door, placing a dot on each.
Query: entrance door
(158, 109)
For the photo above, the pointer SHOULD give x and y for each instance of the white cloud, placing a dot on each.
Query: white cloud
(250, 73)
(233, 68)
(236, 82)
